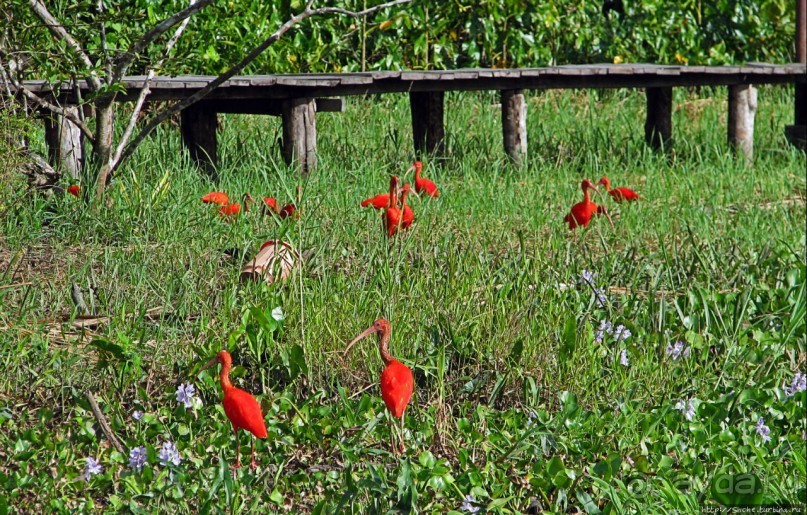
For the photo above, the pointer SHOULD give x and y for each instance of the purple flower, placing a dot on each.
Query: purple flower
(623, 358)
(687, 408)
(799, 384)
(468, 504)
(605, 328)
(763, 430)
(137, 458)
(621, 333)
(91, 468)
(600, 297)
(169, 454)
(587, 277)
(137, 414)
(185, 394)
(677, 350)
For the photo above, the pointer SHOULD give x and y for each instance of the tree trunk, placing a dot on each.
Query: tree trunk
(65, 144)
(514, 124)
(104, 133)
(742, 107)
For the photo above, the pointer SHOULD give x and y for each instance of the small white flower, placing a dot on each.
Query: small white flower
(623, 358)
(137, 414)
(278, 315)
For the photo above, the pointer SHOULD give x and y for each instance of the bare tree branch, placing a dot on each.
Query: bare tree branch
(115, 157)
(41, 102)
(59, 32)
(308, 12)
(125, 59)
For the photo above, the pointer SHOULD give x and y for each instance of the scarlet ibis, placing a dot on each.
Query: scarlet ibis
(270, 203)
(392, 216)
(408, 216)
(581, 213)
(422, 185)
(240, 407)
(231, 210)
(397, 382)
(289, 210)
(378, 202)
(216, 197)
(74, 190)
(618, 194)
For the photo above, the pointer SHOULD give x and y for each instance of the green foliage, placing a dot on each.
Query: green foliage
(518, 406)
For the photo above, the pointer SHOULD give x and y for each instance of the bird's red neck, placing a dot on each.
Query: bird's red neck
(224, 375)
(586, 195)
(403, 197)
(393, 192)
(383, 344)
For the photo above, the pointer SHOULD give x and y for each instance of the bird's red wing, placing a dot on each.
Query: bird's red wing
(392, 219)
(408, 217)
(378, 202)
(244, 412)
(397, 385)
(216, 197)
(627, 194)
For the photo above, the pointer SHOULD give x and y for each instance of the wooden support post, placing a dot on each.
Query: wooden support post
(427, 122)
(300, 133)
(65, 143)
(658, 126)
(514, 124)
(797, 133)
(742, 107)
(198, 124)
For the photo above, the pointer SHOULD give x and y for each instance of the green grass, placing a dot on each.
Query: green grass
(516, 403)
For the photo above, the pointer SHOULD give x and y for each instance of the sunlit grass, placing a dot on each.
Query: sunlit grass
(713, 255)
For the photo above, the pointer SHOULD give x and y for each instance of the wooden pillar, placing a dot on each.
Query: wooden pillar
(658, 126)
(65, 143)
(300, 133)
(514, 124)
(742, 107)
(427, 122)
(797, 133)
(198, 124)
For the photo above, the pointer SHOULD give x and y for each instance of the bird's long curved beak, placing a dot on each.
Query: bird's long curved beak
(598, 192)
(209, 364)
(367, 332)
(605, 212)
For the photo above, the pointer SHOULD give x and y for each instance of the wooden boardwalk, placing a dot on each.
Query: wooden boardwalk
(298, 97)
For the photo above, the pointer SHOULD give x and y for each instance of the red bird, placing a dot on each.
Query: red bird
(408, 216)
(270, 203)
(618, 194)
(289, 210)
(582, 212)
(397, 382)
(216, 197)
(240, 407)
(423, 186)
(232, 210)
(392, 216)
(378, 202)
(74, 190)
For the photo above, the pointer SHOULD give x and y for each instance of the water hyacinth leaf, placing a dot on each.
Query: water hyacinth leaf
(106, 346)
(585, 499)
(297, 364)
(427, 459)
(569, 337)
(737, 489)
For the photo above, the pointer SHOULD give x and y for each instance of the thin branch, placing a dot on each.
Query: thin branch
(124, 60)
(141, 99)
(308, 12)
(104, 45)
(59, 32)
(99, 416)
(41, 102)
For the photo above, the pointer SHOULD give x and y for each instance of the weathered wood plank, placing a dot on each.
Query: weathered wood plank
(66, 150)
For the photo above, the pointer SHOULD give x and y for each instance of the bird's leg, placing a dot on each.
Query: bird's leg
(403, 433)
(237, 451)
(253, 464)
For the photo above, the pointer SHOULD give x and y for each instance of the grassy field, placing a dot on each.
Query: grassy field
(524, 401)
